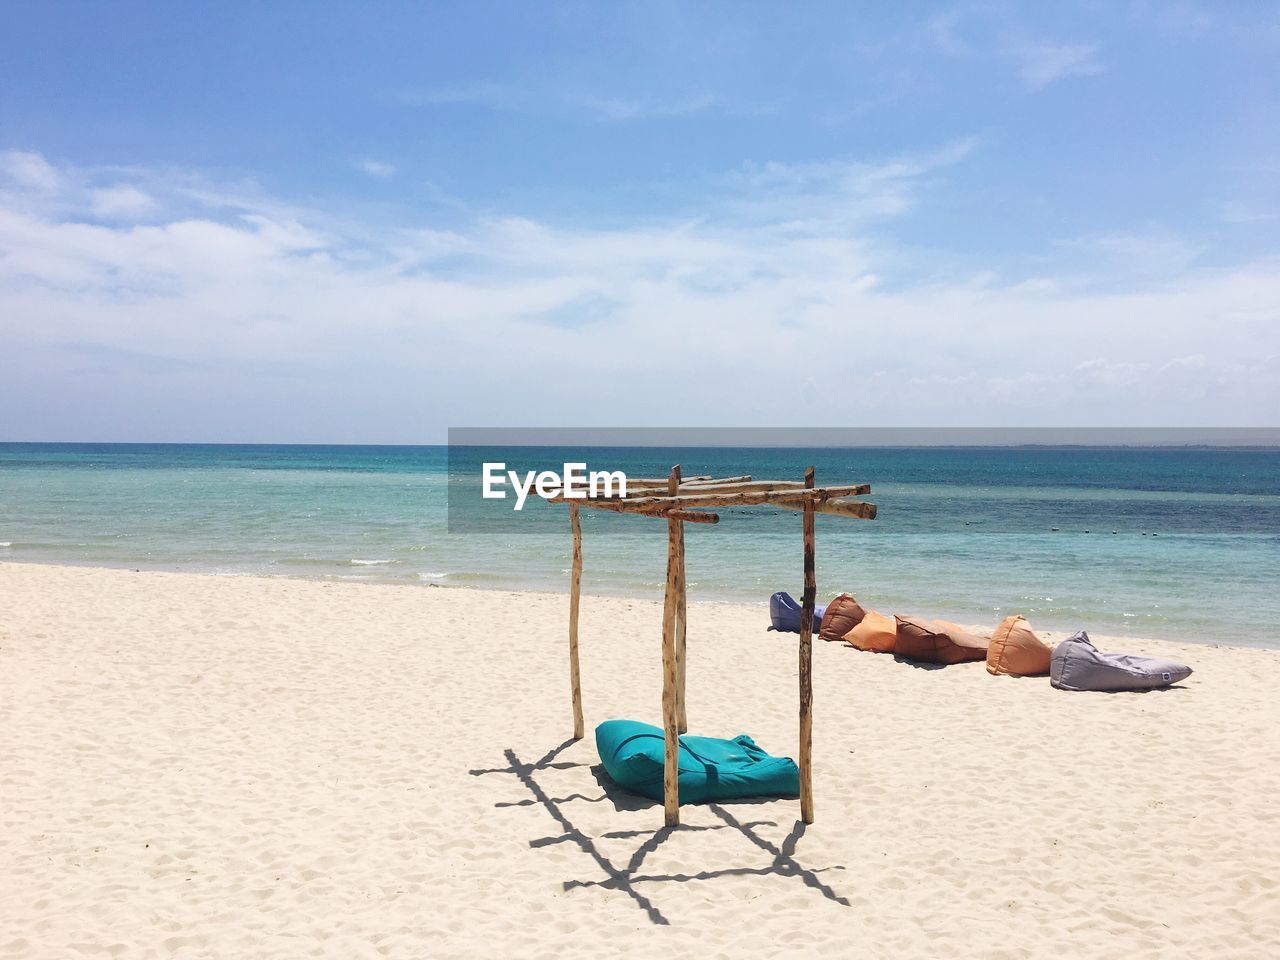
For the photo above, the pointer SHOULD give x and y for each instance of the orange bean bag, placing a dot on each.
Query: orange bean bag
(937, 641)
(1016, 651)
(843, 614)
(876, 633)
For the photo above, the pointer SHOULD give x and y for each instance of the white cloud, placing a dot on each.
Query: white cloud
(377, 168)
(1236, 211)
(978, 30)
(120, 201)
(1195, 361)
(1139, 254)
(1176, 19)
(260, 324)
(1111, 375)
(944, 33)
(536, 100)
(29, 170)
(622, 108)
(850, 192)
(1040, 64)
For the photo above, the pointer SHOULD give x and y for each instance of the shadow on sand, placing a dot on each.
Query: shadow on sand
(625, 878)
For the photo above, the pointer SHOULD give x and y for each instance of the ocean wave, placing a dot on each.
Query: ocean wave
(432, 575)
(371, 563)
(477, 576)
(6, 543)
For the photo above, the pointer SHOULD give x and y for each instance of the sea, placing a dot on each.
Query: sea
(1174, 543)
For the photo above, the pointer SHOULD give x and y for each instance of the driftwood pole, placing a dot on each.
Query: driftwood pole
(806, 663)
(682, 720)
(670, 727)
(575, 594)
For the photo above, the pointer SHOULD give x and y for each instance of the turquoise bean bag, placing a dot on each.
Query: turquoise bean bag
(710, 769)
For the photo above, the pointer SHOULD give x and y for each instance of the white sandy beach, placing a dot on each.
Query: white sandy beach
(202, 766)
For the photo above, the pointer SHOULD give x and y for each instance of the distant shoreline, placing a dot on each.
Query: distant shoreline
(1225, 447)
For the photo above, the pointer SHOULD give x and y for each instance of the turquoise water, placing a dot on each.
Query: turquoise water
(963, 533)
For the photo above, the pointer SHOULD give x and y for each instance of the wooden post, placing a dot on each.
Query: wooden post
(670, 727)
(575, 594)
(682, 719)
(806, 663)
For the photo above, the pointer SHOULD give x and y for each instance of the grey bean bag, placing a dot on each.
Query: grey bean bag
(1078, 665)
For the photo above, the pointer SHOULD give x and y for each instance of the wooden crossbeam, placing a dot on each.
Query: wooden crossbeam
(829, 500)
(689, 516)
(747, 498)
(840, 507)
(637, 487)
(662, 481)
(713, 486)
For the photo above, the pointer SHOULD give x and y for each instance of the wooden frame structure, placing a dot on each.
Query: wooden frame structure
(681, 500)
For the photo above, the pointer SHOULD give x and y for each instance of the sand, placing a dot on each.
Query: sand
(238, 767)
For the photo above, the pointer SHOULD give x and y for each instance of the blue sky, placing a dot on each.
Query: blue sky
(368, 222)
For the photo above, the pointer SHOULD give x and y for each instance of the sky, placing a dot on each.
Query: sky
(370, 222)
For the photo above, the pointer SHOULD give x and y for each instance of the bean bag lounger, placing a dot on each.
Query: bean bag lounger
(1016, 651)
(876, 633)
(710, 769)
(785, 610)
(1078, 665)
(937, 641)
(843, 614)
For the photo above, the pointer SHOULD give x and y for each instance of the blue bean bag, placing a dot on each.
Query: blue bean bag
(1077, 664)
(785, 610)
(710, 769)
